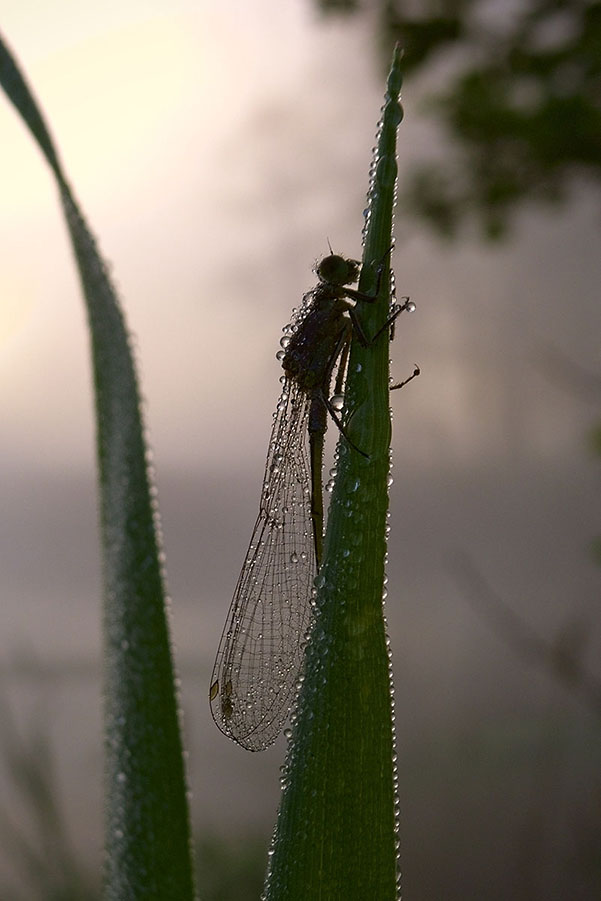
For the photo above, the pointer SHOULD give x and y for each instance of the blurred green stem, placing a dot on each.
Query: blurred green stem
(148, 852)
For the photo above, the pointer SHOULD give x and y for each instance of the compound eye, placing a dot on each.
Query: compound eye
(336, 270)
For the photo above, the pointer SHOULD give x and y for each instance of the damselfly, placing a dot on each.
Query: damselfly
(260, 654)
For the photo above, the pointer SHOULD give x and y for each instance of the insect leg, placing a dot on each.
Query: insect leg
(413, 375)
(359, 331)
(392, 318)
(338, 422)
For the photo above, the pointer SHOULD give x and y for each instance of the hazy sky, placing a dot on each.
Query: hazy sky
(215, 148)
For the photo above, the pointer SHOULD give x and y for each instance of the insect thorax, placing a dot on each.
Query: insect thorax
(313, 348)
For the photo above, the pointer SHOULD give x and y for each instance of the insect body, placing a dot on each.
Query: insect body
(322, 336)
(261, 649)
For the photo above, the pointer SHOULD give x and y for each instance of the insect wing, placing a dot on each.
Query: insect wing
(261, 650)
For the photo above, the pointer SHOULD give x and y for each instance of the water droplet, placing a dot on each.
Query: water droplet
(410, 306)
(386, 171)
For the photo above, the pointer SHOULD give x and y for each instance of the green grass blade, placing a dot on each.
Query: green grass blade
(147, 824)
(336, 832)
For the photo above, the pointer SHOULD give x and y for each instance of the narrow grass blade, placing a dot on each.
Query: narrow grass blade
(147, 829)
(336, 836)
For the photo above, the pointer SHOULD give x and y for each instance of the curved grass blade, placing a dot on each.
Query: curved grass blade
(147, 824)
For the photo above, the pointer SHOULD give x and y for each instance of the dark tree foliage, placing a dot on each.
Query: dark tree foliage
(519, 103)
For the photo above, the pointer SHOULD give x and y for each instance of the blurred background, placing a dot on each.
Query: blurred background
(215, 148)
